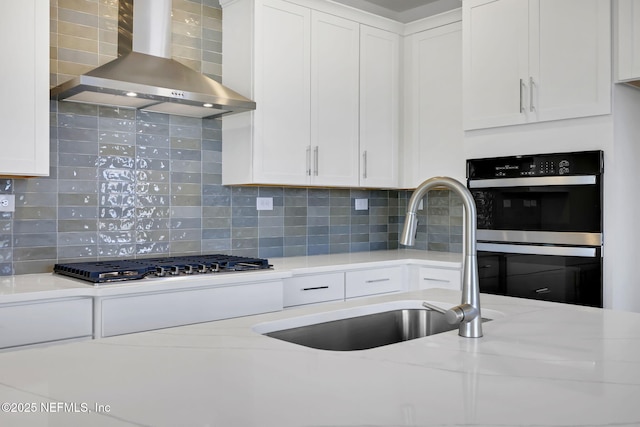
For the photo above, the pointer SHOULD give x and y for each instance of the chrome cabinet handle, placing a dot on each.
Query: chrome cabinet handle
(309, 160)
(542, 291)
(378, 280)
(364, 161)
(431, 279)
(531, 84)
(315, 160)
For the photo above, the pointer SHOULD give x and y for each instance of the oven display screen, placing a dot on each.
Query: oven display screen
(563, 164)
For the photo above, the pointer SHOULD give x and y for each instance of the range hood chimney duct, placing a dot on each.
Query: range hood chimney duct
(145, 77)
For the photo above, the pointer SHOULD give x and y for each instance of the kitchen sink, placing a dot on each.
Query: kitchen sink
(361, 328)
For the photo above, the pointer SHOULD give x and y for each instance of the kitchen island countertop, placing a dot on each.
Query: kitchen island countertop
(542, 364)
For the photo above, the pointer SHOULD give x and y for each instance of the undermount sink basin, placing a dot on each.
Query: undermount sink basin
(363, 327)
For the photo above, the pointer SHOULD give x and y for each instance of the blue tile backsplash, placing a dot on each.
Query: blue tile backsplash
(127, 184)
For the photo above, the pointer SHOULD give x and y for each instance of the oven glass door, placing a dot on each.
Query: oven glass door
(536, 204)
(561, 274)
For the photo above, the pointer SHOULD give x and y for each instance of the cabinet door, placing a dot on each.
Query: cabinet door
(37, 322)
(373, 281)
(570, 63)
(334, 100)
(379, 107)
(628, 54)
(495, 62)
(144, 312)
(434, 133)
(282, 128)
(24, 79)
(430, 277)
(312, 289)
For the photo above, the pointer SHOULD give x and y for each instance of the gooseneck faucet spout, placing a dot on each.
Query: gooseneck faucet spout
(467, 314)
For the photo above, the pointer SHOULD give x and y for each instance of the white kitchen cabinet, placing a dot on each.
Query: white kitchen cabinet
(24, 77)
(374, 281)
(535, 60)
(379, 107)
(628, 41)
(270, 63)
(43, 321)
(143, 312)
(313, 288)
(433, 139)
(326, 113)
(334, 100)
(435, 277)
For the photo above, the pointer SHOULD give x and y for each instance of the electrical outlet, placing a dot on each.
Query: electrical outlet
(362, 204)
(7, 203)
(264, 203)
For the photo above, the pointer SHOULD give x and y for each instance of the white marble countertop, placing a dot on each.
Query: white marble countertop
(355, 260)
(27, 287)
(542, 364)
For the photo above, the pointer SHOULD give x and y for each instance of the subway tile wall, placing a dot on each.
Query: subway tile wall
(126, 183)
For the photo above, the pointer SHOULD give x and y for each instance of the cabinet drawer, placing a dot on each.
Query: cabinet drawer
(370, 282)
(44, 321)
(430, 277)
(144, 312)
(299, 290)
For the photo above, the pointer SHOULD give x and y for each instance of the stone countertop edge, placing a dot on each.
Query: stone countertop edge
(30, 287)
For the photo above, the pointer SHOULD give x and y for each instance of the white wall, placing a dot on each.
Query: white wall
(618, 135)
(622, 201)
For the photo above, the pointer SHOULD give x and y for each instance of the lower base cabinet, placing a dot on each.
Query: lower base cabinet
(313, 289)
(429, 277)
(59, 319)
(373, 281)
(324, 287)
(42, 321)
(144, 312)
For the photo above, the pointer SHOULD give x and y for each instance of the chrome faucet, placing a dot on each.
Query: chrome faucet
(467, 314)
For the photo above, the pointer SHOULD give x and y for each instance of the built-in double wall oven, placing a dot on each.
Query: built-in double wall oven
(540, 225)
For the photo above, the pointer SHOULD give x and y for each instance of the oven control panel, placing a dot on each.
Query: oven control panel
(557, 164)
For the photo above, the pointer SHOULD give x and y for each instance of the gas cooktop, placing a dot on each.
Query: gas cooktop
(132, 269)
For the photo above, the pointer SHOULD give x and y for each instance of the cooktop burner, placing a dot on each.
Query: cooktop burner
(132, 269)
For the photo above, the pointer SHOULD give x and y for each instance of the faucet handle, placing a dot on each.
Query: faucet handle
(461, 313)
(455, 315)
(434, 307)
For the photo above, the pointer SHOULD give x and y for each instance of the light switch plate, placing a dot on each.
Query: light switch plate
(264, 203)
(7, 203)
(362, 204)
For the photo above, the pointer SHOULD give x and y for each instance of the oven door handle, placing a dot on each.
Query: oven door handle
(532, 181)
(577, 251)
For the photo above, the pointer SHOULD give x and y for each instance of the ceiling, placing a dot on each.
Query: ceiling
(403, 10)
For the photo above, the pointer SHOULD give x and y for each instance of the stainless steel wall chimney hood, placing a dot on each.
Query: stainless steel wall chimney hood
(145, 77)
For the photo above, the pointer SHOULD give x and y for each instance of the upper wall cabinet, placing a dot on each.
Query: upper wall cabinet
(24, 79)
(270, 63)
(628, 43)
(326, 90)
(335, 52)
(433, 137)
(535, 60)
(379, 107)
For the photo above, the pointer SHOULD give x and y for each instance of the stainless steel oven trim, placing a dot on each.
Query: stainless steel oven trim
(538, 250)
(530, 181)
(542, 237)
